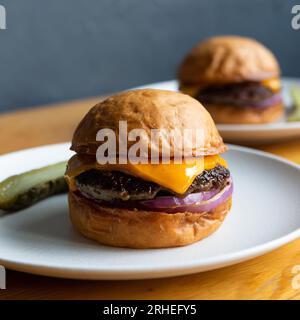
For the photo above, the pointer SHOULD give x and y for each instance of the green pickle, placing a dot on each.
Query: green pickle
(23, 190)
(295, 115)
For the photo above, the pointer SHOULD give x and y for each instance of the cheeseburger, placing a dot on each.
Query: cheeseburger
(140, 204)
(236, 78)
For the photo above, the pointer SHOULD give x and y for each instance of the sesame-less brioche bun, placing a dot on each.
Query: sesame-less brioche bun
(232, 115)
(142, 229)
(149, 109)
(227, 59)
(117, 225)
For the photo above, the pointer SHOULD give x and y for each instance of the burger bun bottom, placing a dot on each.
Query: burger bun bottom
(142, 229)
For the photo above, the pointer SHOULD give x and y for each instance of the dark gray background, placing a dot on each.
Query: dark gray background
(65, 49)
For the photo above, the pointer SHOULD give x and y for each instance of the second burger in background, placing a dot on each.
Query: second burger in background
(236, 79)
(148, 205)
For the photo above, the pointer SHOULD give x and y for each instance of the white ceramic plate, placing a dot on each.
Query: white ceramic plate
(257, 133)
(264, 216)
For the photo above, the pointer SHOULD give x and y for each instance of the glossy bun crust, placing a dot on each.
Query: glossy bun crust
(142, 229)
(227, 59)
(233, 115)
(149, 109)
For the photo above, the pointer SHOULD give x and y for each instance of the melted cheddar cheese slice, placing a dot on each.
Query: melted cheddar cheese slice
(273, 84)
(173, 176)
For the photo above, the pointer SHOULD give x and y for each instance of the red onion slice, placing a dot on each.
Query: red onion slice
(205, 205)
(173, 202)
(274, 99)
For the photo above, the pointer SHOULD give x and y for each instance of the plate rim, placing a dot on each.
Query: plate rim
(158, 271)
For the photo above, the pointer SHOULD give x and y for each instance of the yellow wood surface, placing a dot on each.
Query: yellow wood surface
(266, 277)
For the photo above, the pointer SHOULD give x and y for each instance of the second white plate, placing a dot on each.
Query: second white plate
(252, 134)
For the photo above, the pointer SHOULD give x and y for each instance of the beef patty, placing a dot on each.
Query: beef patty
(237, 94)
(116, 185)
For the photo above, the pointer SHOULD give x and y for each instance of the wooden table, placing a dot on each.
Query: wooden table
(267, 277)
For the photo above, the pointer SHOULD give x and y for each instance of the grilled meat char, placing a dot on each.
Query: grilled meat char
(237, 94)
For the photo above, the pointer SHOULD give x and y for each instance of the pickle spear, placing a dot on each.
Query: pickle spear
(23, 190)
(295, 115)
